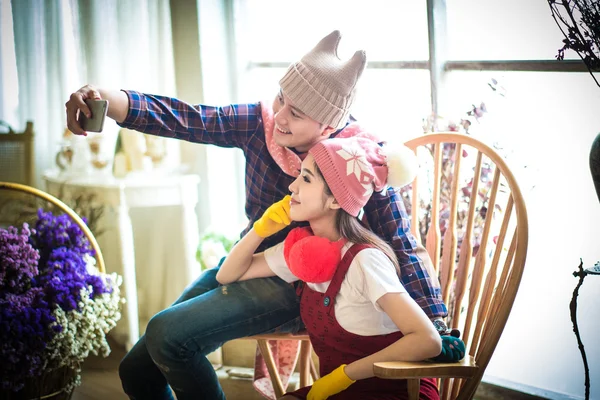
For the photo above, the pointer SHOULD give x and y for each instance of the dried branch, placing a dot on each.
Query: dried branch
(579, 22)
(17, 209)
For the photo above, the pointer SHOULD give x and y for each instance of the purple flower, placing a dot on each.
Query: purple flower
(40, 269)
(18, 260)
(52, 232)
(25, 329)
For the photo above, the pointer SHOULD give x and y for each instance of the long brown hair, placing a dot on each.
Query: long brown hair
(352, 229)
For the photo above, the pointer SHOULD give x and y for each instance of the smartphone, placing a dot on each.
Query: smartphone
(98, 108)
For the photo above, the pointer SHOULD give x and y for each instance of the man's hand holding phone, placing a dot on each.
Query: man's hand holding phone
(86, 111)
(98, 110)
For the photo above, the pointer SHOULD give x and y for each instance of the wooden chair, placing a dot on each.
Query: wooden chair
(16, 155)
(479, 315)
(479, 287)
(28, 190)
(308, 371)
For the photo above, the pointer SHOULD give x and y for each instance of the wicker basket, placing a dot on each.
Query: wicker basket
(16, 187)
(53, 385)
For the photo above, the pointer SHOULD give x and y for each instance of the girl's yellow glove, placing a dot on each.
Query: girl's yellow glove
(274, 219)
(330, 384)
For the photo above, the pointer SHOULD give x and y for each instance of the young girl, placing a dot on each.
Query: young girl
(352, 303)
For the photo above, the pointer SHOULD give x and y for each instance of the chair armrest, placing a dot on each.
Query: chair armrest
(302, 335)
(465, 368)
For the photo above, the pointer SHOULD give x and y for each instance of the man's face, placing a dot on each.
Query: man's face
(295, 129)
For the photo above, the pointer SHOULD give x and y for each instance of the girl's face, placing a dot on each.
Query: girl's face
(309, 200)
(294, 129)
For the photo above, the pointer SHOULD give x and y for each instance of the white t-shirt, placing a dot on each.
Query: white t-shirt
(370, 276)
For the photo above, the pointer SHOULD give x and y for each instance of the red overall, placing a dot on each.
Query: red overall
(335, 346)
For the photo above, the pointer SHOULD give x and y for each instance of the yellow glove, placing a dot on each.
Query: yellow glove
(330, 384)
(274, 219)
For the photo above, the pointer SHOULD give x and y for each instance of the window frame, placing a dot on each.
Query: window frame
(439, 66)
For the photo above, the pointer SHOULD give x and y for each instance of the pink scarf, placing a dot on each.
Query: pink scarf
(285, 352)
(287, 159)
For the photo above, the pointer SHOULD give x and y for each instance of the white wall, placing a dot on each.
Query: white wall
(553, 119)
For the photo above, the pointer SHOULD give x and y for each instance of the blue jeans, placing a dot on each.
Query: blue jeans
(173, 350)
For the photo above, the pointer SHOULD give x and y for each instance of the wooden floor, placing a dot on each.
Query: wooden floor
(100, 381)
(100, 378)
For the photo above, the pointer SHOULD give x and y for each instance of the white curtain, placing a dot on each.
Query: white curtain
(42, 58)
(60, 45)
(125, 44)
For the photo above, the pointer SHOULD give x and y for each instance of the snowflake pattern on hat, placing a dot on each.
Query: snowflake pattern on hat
(357, 165)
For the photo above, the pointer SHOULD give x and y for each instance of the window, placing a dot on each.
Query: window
(280, 30)
(394, 92)
(510, 30)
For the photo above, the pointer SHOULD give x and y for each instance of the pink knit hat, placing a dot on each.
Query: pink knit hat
(356, 167)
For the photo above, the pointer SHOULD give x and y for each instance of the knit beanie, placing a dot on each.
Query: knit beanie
(321, 85)
(355, 167)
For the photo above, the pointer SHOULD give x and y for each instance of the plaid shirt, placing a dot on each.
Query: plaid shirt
(241, 126)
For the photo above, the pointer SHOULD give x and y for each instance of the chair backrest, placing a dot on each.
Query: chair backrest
(16, 155)
(18, 188)
(476, 236)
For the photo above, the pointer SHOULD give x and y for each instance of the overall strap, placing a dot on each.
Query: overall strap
(340, 272)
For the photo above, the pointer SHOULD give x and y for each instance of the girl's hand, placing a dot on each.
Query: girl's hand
(453, 350)
(275, 218)
(330, 384)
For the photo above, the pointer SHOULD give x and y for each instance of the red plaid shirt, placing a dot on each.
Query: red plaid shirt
(240, 125)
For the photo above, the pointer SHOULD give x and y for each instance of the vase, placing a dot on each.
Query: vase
(595, 164)
(102, 151)
(52, 385)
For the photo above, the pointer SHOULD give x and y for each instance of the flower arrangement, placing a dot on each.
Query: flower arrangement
(464, 124)
(55, 306)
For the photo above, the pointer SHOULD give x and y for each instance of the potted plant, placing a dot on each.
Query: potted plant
(212, 248)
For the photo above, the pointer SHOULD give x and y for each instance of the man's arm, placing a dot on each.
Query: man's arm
(227, 126)
(387, 217)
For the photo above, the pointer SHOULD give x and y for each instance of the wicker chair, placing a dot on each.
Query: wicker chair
(16, 155)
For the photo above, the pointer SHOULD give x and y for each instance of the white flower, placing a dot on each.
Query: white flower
(84, 329)
(212, 252)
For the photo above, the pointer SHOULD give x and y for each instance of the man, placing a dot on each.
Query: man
(313, 104)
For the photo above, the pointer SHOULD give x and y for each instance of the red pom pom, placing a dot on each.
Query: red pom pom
(314, 259)
(294, 236)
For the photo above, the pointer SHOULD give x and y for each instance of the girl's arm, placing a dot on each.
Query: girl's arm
(420, 340)
(387, 218)
(242, 264)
